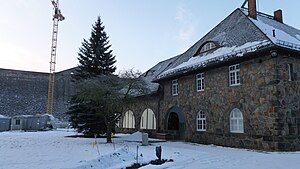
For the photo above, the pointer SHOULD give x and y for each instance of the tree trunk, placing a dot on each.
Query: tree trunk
(108, 133)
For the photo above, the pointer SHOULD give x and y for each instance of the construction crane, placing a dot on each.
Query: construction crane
(57, 16)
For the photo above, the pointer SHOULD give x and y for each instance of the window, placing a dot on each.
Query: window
(201, 121)
(290, 72)
(148, 120)
(207, 46)
(174, 87)
(234, 75)
(128, 120)
(18, 122)
(236, 121)
(200, 82)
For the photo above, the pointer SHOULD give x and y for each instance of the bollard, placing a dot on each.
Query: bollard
(145, 140)
(158, 152)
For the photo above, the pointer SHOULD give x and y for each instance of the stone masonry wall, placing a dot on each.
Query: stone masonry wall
(25, 93)
(64, 89)
(255, 97)
(288, 104)
(22, 92)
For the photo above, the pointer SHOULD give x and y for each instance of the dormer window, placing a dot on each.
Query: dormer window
(208, 46)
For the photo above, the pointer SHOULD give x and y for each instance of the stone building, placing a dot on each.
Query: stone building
(237, 86)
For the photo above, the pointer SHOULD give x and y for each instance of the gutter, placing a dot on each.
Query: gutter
(221, 60)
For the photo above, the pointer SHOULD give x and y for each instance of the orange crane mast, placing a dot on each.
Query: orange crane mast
(57, 16)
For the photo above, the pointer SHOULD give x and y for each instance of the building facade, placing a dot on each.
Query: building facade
(237, 86)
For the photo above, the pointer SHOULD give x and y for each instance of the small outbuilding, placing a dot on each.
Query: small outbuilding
(31, 122)
(19, 122)
(4, 123)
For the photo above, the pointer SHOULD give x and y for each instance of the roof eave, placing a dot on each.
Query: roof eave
(216, 64)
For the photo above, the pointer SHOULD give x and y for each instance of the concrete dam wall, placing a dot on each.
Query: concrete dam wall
(26, 93)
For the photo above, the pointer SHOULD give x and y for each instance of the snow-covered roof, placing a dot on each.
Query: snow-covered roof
(279, 33)
(3, 117)
(155, 71)
(236, 36)
(22, 116)
(218, 55)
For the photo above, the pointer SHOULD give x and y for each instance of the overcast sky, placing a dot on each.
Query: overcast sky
(141, 32)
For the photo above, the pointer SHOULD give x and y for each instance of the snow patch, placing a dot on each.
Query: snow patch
(137, 136)
(52, 149)
(122, 156)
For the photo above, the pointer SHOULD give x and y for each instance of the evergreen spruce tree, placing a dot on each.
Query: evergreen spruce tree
(95, 56)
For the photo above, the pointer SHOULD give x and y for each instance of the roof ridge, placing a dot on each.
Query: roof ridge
(258, 13)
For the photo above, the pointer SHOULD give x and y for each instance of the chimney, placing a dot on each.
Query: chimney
(278, 16)
(252, 9)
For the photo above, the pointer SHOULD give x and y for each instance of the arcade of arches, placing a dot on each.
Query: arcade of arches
(147, 120)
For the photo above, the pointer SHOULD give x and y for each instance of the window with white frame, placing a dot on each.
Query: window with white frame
(236, 121)
(207, 46)
(148, 120)
(175, 87)
(200, 82)
(234, 75)
(128, 119)
(201, 121)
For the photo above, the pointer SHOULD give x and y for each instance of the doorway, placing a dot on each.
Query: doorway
(173, 121)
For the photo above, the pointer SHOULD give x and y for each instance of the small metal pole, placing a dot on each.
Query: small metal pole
(137, 154)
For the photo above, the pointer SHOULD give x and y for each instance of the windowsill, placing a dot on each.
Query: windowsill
(174, 94)
(236, 132)
(200, 90)
(235, 85)
(201, 130)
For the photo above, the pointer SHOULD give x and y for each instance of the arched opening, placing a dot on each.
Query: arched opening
(236, 121)
(148, 120)
(173, 121)
(128, 120)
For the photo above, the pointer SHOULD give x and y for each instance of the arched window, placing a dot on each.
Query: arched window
(128, 120)
(148, 120)
(207, 46)
(236, 121)
(201, 121)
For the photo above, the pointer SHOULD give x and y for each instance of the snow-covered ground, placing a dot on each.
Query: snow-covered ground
(52, 150)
